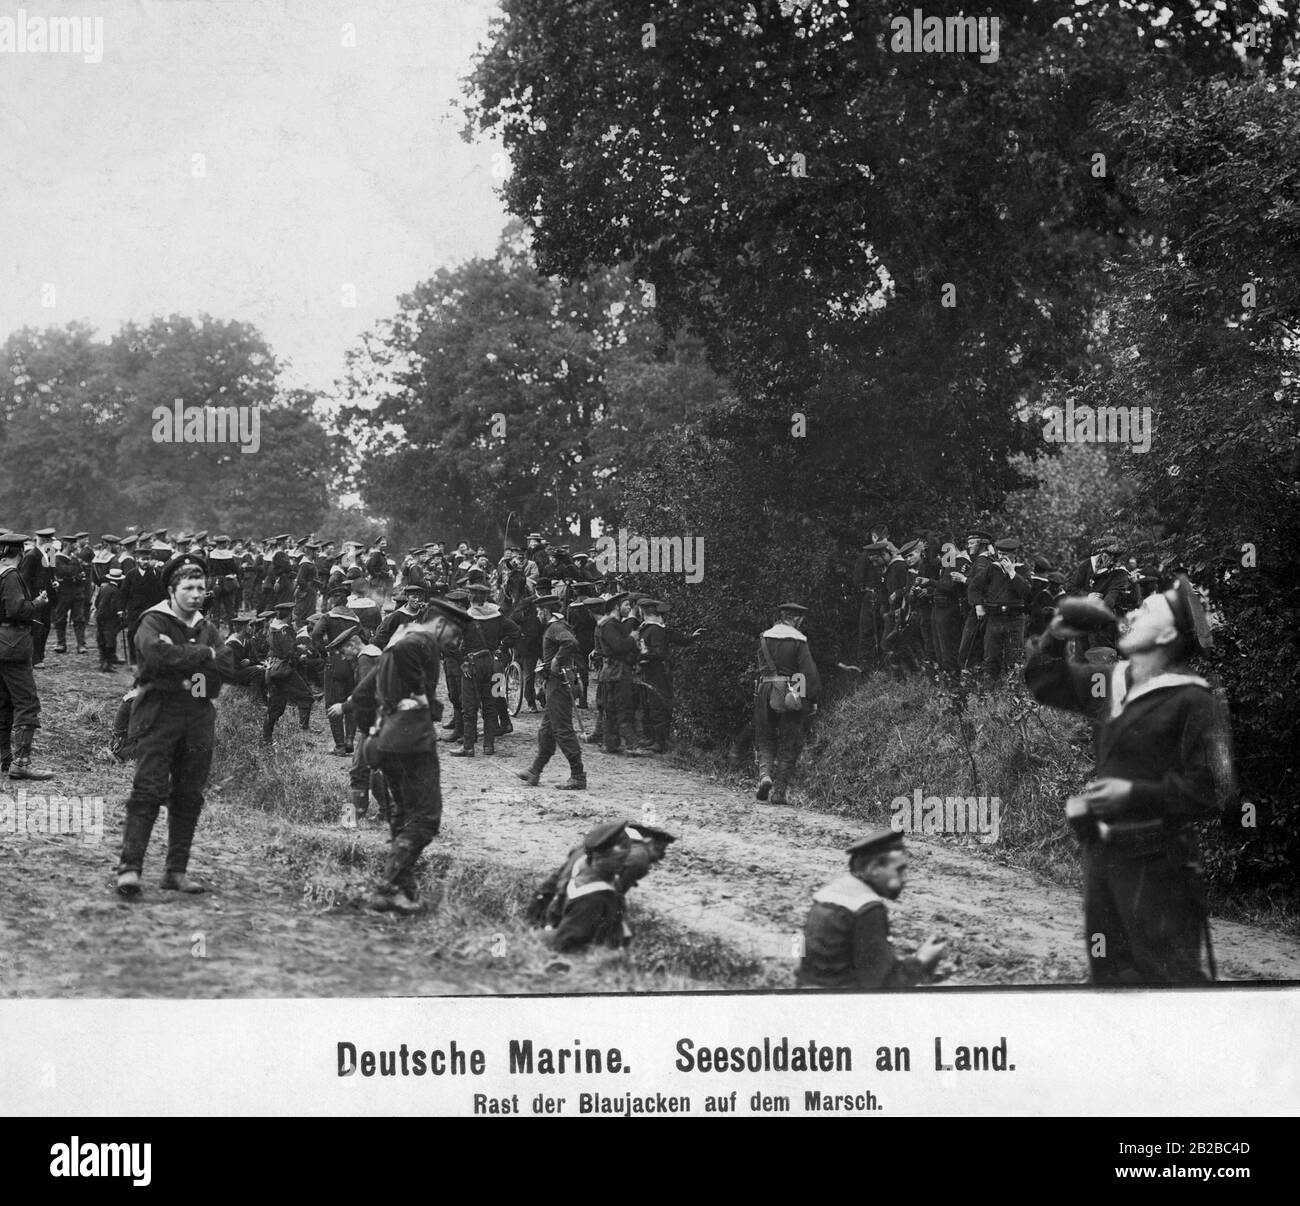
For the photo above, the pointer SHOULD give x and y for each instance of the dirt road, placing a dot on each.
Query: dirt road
(283, 917)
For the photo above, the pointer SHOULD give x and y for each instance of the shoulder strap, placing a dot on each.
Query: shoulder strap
(767, 656)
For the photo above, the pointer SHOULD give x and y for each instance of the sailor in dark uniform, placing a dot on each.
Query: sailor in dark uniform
(173, 723)
(20, 706)
(37, 569)
(406, 681)
(594, 911)
(284, 680)
(1004, 590)
(1163, 762)
(559, 652)
(787, 676)
(846, 934)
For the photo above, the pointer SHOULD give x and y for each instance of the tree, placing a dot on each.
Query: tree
(79, 430)
(60, 422)
(897, 249)
(496, 389)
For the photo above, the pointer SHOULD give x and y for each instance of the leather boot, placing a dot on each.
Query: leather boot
(531, 777)
(360, 802)
(179, 881)
(135, 841)
(6, 752)
(465, 751)
(577, 780)
(180, 838)
(21, 767)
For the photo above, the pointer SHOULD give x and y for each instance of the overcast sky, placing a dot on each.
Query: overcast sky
(326, 166)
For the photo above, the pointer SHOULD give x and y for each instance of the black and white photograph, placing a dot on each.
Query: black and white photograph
(750, 545)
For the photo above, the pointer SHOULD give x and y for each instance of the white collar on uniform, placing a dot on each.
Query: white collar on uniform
(784, 632)
(849, 892)
(1121, 696)
(596, 885)
(164, 608)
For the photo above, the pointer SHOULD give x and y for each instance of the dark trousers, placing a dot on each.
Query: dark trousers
(340, 681)
(174, 737)
(226, 605)
(280, 693)
(970, 651)
(363, 779)
(1144, 918)
(528, 655)
(557, 729)
(925, 614)
(868, 632)
(76, 609)
(619, 720)
(40, 630)
(475, 697)
(947, 635)
(598, 733)
(454, 678)
(657, 696)
(106, 633)
(415, 816)
(778, 740)
(20, 706)
(1004, 639)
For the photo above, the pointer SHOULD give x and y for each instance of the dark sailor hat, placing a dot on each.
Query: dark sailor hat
(797, 609)
(44, 533)
(648, 832)
(604, 836)
(1008, 544)
(544, 600)
(1189, 614)
(981, 533)
(448, 610)
(878, 841)
(180, 562)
